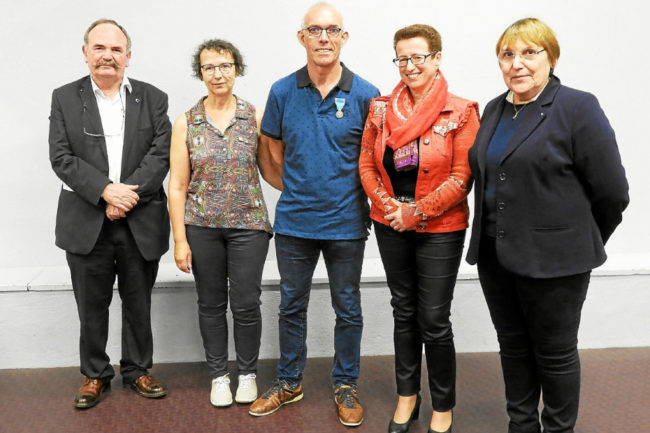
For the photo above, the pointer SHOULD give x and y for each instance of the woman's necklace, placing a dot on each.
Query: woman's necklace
(518, 111)
(524, 106)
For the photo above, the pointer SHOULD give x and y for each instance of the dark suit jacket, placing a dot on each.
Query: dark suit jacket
(81, 162)
(560, 187)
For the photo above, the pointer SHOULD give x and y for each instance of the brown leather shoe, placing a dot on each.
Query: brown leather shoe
(348, 405)
(277, 396)
(90, 393)
(147, 386)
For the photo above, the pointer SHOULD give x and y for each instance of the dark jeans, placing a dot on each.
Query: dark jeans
(220, 256)
(421, 270)
(297, 259)
(93, 276)
(537, 324)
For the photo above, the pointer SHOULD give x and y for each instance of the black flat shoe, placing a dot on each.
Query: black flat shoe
(446, 431)
(394, 427)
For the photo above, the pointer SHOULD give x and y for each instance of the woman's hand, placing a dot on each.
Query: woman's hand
(183, 256)
(395, 219)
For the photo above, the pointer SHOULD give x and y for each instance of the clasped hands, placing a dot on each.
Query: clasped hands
(396, 218)
(120, 199)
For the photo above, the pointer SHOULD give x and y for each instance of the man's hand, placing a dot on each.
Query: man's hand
(121, 196)
(114, 213)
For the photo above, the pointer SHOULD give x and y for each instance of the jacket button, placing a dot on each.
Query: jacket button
(501, 205)
(426, 141)
(502, 176)
(501, 233)
(426, 170)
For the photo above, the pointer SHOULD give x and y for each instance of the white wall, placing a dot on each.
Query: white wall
(602, 45)
(603, 51)
(608, 320)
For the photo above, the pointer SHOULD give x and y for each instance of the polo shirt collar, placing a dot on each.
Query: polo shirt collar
(345, 82)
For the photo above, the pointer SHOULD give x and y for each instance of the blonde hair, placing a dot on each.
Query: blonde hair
(534, 31)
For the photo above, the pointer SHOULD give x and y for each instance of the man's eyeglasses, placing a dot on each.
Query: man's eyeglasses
(529, 54)
(225, 68)
(415, 59)
(315, 31)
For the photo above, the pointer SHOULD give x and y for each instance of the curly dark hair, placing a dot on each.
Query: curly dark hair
(221, 46)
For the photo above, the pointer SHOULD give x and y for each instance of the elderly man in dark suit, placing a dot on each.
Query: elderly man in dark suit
(109, 145)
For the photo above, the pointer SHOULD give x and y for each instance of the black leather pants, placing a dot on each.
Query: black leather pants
(421, 270)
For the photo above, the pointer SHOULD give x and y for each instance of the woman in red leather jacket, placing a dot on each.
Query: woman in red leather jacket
(414, 168)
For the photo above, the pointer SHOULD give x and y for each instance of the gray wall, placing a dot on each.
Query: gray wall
(602, 45)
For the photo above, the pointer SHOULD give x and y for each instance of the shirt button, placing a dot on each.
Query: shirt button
(426, 170)
(502, 176)
(426, 141)
(501, 233)
(501, 205)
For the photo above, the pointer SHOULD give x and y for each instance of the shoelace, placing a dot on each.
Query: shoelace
(246, 381)
(222, 382)
(346, 394)
(277, 387)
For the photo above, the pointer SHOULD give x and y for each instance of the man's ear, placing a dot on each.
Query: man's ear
(301, 38)
(344, 37)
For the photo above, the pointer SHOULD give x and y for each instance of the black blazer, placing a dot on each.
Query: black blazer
(560, 187)
(81, 162)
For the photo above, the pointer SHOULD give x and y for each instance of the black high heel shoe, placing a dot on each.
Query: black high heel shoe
(446, 431)
(394, 427)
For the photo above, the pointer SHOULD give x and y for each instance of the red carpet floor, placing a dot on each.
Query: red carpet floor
(615, 398)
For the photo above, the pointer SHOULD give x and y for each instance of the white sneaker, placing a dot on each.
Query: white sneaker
(220, 394)
(247, 389)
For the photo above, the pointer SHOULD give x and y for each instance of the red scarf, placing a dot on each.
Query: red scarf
(405, 122)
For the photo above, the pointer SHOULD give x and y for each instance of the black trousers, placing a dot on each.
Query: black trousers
(537, 324)
(228, 263)
(93, 276)
(421, 270)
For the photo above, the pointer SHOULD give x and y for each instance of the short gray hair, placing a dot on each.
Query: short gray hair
(107, 21)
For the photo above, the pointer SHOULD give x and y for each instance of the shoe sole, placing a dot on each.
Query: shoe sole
(351, 424)
(240, 401)
(293, 400)
(348, 424)
(147, 395)
(221, 405)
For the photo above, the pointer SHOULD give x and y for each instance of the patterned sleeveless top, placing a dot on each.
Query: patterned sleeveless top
(224, 189)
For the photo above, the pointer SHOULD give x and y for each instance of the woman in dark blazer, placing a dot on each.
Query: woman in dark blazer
(549, 191)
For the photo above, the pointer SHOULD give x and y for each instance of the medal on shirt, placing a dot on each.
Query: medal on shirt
(340, 103)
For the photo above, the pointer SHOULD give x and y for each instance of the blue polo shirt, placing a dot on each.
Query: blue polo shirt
(322, 196)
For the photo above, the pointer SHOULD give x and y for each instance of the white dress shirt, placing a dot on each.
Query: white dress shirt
(113, 114)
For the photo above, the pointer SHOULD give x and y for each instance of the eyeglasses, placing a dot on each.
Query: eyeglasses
(528, 54)
(225, 68)
(415, 59)
(315, 31)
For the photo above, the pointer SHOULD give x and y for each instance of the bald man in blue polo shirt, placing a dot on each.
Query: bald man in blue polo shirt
(311, 130)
